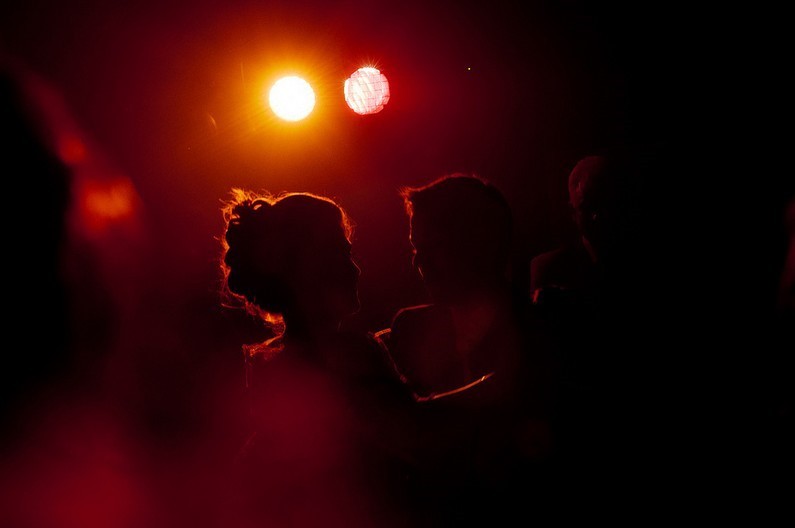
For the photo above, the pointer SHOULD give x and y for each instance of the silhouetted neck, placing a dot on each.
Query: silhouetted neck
(299, 330)
(497, 293)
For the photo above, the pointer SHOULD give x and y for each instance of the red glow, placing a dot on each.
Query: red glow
(367, 91)
(71, 149)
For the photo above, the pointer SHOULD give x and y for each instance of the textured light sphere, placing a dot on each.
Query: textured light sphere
(366, 91)
(291, 98)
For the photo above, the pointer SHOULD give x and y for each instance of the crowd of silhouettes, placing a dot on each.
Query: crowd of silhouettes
(489, 401)
(595, 389)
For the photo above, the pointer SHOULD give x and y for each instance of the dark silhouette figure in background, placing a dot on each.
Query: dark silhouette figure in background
(602, 300)
(606, 201)
(768, 389)
(786, 289)
(320, 397)
(65, 457)
(780, 381)
(464, 355)
(784, 390)
(41, 239)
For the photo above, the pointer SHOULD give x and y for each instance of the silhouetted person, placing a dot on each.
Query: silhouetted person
(766, 380)
(784, 391)
(65, 437)
(464, 354)
(319, 396)
(606, 301)
(29, 157)
(786, 289)
(606, 202)
(779, 382)
(461, 236)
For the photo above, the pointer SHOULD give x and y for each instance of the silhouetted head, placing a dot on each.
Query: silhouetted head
(461, 231)
(604, 193)
(290, 256)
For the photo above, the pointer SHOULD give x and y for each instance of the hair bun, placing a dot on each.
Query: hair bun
(248, 210)
(245, 216)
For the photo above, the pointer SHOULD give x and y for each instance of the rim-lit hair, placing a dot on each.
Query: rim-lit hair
(250, 207)
(455, 182)
(464, 204)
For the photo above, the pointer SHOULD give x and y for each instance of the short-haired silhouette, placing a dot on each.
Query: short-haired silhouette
(464, 354)
(599, 298)
(460, 231)
(605, 197)
(320, 396)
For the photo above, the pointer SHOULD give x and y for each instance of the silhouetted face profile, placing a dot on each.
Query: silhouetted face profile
(291, 255)
(604, 193)
(460, 233)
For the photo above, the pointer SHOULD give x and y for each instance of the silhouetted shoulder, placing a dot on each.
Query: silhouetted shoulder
(407, 321)
(417, 323)
(420, 345)
(411, 315)
(356, 358)
(567, 267)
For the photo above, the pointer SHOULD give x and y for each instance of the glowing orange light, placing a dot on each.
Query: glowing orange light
(366, 91)
(104, 203)
(291, 98)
